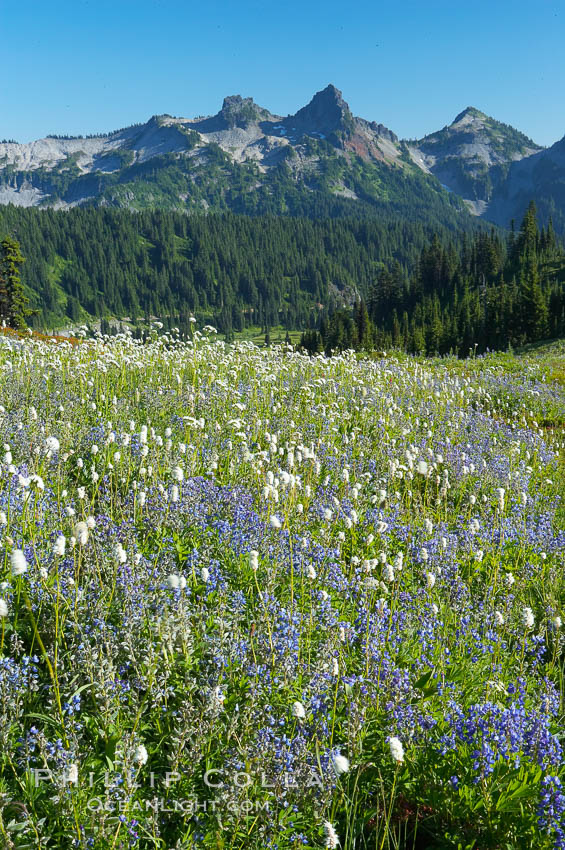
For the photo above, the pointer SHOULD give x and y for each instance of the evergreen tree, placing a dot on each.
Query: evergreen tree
(14, 308)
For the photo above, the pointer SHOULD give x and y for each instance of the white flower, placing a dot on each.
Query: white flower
(422, 467)
(52, 444)
(37, 480)
(430, 580)
(178, 474)
(3, 608)
(173, 581)
(340, 764)
(59, 547)
(298, 710)
(335, 667)
(254, 560)
(205, 574)
(396, 749)
(275, 522)
(332, 840)
(70, 774)
(528, 618)
(498, 618)
(311, 572)
(18, 562)
(217, 698)
(140, 755)
(90, 523)
(81, 533)
(388, 572)
(557, 622)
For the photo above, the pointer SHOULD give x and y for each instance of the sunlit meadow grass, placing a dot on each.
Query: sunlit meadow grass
(251, 599)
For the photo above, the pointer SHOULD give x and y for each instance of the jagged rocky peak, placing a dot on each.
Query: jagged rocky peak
(469, 114)
(238, 111)
(326, 113)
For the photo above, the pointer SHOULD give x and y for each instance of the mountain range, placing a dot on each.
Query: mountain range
(320, 162)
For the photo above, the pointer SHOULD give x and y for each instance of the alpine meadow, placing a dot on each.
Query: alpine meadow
(282, 429)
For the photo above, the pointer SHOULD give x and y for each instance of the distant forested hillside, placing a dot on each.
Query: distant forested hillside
(359, 283)
(485, 292)
(229, 269)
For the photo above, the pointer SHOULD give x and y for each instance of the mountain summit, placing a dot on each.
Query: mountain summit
(238, 111)
(323, 160)
(468, 114)
(472, 155)
(326, 114)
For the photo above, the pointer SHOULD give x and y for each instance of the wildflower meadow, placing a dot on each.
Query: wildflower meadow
(255, 599)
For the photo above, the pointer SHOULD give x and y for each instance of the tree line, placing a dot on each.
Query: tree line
(363, 283)
(227, 269)
(484, 292)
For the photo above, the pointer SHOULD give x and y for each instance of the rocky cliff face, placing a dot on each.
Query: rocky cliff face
(179, 163)
(58, 172)
(540, 177)
(472, 155)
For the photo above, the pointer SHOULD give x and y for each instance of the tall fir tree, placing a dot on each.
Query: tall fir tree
(14, 305)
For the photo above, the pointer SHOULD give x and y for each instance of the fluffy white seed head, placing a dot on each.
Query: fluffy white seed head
(52, 444)
(60, 544)
(331, 836)
(70, 774)
(18, 562)
(140, 755)
(396, 749)
(340, 764)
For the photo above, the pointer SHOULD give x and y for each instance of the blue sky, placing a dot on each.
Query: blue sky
(93, 65)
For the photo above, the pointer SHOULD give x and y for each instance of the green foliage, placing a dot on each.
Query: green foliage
(234, 271)
(14, 308)
(486, 293)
